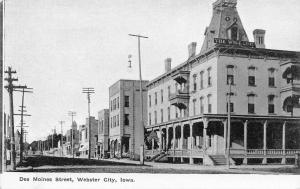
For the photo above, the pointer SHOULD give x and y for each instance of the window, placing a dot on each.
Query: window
(176, 87)
(111, 105)
(118, 103)
(209, 106)
(260, 40)
(169, 91)
(114, 104)
(86, 133)
(162, 95)
(176, 112)
(271, 77)
(149, 118)
(251, 76)
(155, 117)
(271, 106)
(155, 98)
(169, 114)
(111, 122)
(231, 107)
(126, 101)
(251, 106)
(233, 33)
(161, 115)
(126, 119)
(195, 82)
(201, 79)
(208, 77)
(194, 107)
(201, 106)
(230, 74)
(149, 100)
(118, 122)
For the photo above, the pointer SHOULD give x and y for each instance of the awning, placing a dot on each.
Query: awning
(290, 102)
(294, 70)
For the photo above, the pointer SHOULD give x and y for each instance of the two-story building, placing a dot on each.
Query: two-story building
(126, 132)
(84, 138)
(188, 105)
(72, 140)
(103, 133)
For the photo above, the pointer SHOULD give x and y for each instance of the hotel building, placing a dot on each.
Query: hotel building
(188, 105)
(126, 133)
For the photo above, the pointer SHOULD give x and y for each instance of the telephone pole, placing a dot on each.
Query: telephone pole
(24, 90)
(10, 88)
(72, 114)
(61, 137)
(89, 91)
(141, 89)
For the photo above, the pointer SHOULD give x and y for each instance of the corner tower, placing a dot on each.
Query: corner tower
(225, 24)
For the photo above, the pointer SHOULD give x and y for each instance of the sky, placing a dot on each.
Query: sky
(58, 47)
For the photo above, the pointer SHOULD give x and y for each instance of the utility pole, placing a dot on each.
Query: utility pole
(89, 91)
(72, 114)
(141, 90)
(61, 137)
(10, 88)
(229, 122)
(28, 90)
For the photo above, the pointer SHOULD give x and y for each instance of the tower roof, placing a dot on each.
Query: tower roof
(225, 24)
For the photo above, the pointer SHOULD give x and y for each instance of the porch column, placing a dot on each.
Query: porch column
(174, 136)
(167, 138)
(174, 142)
(245, 141)
(160, 139)
(265, 142)
(192, 143)
(191, 135)
(152, 142)
(205, 125)
(283, 143)
(181, 139)
(225, 135)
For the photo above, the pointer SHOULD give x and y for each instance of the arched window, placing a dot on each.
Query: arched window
(232, 33)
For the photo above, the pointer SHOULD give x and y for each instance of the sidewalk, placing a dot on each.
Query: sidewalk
(252, 169)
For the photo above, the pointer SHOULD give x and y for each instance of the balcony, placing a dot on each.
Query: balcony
(181, 76)
(180, 99)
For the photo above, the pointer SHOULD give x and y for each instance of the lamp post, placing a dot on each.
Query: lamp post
(229, 122)
(141, 90)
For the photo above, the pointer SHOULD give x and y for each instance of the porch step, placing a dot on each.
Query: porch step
(162, 155)
(218, 159)
(154, 157)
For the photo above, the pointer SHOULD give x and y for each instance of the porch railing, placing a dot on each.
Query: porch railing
(265, 152)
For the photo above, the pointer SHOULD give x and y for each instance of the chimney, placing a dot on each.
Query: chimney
(259, 38)
(168, 65)
(192, 49)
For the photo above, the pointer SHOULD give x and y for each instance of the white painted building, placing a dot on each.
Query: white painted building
(187, 105)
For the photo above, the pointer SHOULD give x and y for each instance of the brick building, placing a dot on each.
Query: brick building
(84, 138)
(126, 133)
(103, 133)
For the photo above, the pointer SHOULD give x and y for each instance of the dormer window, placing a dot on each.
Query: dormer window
(232, 33)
